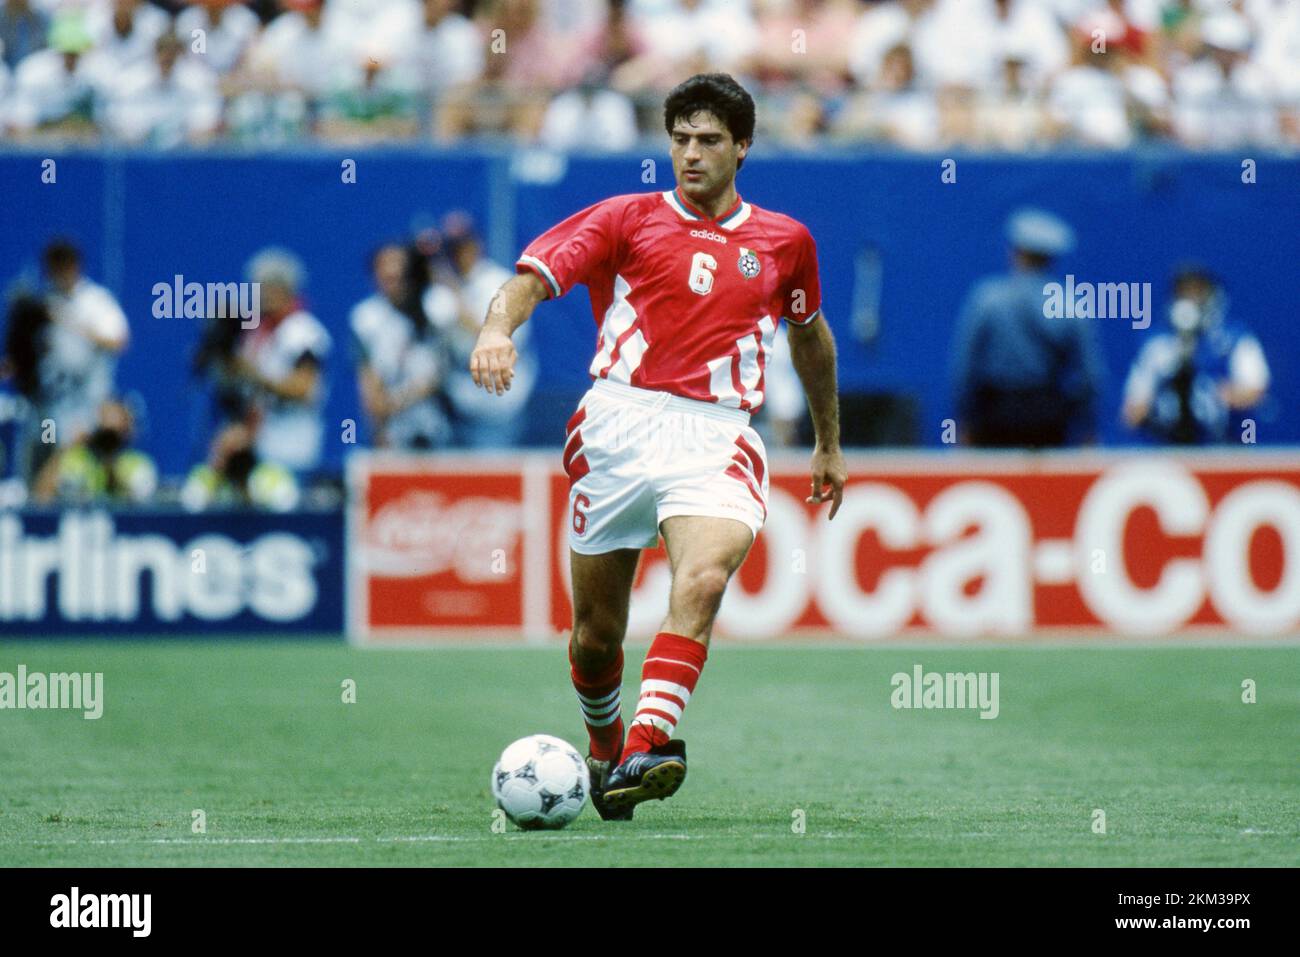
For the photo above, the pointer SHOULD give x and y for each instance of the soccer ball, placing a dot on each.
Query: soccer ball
(541, 782)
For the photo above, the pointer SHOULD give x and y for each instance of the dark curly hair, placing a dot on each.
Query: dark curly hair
(716, 93)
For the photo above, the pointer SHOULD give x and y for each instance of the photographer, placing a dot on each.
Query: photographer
(400, 359)
(26, 343)
(1195, 384)
(101, 466)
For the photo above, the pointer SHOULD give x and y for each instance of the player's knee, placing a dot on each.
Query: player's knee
(597, 638)
(702, 586)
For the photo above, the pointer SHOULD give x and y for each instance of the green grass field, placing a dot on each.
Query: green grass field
(257, 736)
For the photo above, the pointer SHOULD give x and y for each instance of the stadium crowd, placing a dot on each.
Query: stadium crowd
(591, 74)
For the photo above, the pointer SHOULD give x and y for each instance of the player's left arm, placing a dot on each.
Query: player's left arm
(812, 350)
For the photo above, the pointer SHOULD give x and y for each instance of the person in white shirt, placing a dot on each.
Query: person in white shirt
(166, 101)
(458, 305)
(443, 46)
(228, 28)
(689, 36)
(297, 52)
(283, 359)
(1088, 103)
(57, 89)
(1224, 98)
(125, 31)
(590, 117)
(400, 363)
(87, 333)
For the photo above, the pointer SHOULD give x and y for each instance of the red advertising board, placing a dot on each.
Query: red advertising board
(1123, 545)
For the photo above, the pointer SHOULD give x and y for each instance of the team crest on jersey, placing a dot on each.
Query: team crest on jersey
(748, 263)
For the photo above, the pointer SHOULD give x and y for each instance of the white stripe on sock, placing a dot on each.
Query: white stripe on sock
(597, 702)
(674, 661)
(662, 724)
(602, 722)
(609, 709)
(666, 705)
(666, 687)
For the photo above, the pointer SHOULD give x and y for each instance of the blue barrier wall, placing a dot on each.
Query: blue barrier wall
(145, 217)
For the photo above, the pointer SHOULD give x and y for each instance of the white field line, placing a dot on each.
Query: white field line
(465, 839)
(418, 839)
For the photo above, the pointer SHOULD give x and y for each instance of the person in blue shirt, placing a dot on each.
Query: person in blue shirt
(1023, 378)
(1197, 382)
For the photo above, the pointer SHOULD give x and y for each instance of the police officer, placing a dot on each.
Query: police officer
(1196, 383)
(1024, 379)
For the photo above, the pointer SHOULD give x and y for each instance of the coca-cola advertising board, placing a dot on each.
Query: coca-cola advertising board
(1108, 545)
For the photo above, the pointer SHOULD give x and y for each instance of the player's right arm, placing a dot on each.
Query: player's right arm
(570, 252)
(492, 363)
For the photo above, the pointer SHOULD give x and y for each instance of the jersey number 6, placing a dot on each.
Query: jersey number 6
(702, 266)
(579, 516)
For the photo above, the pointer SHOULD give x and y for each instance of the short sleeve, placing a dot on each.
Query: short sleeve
(801, 299)
(302, 335)
(102, 315)
(1247, 367)
(577, 250)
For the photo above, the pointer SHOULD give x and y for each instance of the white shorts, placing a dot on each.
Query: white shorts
(635, 457)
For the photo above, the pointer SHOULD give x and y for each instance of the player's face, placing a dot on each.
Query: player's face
(704, 156)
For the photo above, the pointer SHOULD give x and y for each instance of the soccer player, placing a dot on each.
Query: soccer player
(687, 287)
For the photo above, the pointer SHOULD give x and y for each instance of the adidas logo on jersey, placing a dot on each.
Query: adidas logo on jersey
(706, 234)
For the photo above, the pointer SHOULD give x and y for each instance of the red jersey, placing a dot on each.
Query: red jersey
(685, 303)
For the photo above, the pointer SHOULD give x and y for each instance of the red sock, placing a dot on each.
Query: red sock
(672, 666)
(598, 697)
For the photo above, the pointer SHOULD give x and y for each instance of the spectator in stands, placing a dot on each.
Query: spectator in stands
(590, 117)
(23, 30)
(1279, 55)
(291, 66)
(56, 89)
(1022, 378)
(1010, 114)
(87, 333)
(400, 362)
(528, 59)
(101, 466)
(928, 28)
(804, 45)
(684, 37)
(896, 110)
(373, 101)
(169, 100)
(233, 477)
(1224, 98)
(458, 304)
(1087, 102)
(1197, 382)
(1026, 31)
(226, 30)
(5, 82)
(126, 32)
(282, 361)
(614, 43)
(446, 46)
